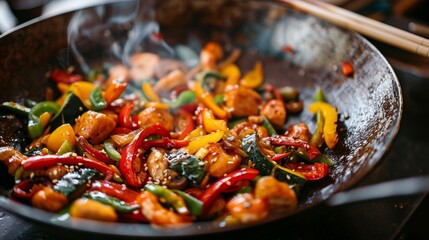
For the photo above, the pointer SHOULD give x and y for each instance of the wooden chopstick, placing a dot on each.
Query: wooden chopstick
(366, 26)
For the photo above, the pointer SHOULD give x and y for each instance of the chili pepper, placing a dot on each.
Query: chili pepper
(42, 161)
(317, 138)
(125, 118)
(111, 150)
(314, 171)
(223, 184)
(26, 189)
(35, 127)
(280, 156)
(134, 176)
(97, 101)
(169, 197)
(331, 117)
(164, 142)
(254, 77)
(186, 97)
(117, 204)
(266, 123)
(15, 108)
(114, 90)
(211, 124)
(195, 205)
(347, 69)
(189, 123)
(61, 76)
(121, 130)
(115, 190)
(207, 99)
(290, 141)
(99, 155)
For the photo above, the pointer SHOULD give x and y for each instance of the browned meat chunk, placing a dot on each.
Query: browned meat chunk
(12, 158)
(299, 131)
(274, 110)
(219, 161)
(151, 116)
(94, 126)
(242, 102)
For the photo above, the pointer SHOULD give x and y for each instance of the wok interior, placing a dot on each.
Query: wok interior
(369, 103)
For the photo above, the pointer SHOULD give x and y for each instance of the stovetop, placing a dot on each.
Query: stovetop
(391, 218)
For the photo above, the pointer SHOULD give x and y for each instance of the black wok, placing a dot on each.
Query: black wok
(369, 102)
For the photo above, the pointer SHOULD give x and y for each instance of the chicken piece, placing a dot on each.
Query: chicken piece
(274, 110)
(299, 131)
(143, 66)
(94, 126)
(247, 208)
(12, 158)
(90, 209)
(171, 81)
(279, 194)
(55, 172)
(242, 102)
(157, 165)
(221, 162)
(151, 116)
(49, 200)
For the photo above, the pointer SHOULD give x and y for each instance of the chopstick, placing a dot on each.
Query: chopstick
(363, 25)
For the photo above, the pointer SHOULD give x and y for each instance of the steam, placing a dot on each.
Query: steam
(113, 33)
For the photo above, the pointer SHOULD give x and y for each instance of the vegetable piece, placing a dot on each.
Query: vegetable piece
(232, 74)
(266, 123)
(347, 69)
(61, 76)
(211, 124)
(254, 77)
(99, 155)
(42, 161)
(133, 171)
(15, 108)
(189, 124)
(63, 133)
(114, 90)
(66, 147)
(311, 150)
(169, 197)
(223, 184)
(73, 184)
(200, 141)
(115, 190)
(69, 112)
(266, 166)
(186, 97)
(212, 81)
(26, 189)
(119, 205)
(317, 138)
(314, 171)
(319, 95)
(150, 93)
(195, 205)
(187, 165)
(331, 117)
(125, 118)
(207, 99)
(164, 142)
(111, 150)
(35, 127)
(97, 101)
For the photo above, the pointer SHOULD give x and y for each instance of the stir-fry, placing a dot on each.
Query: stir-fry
(155, 142)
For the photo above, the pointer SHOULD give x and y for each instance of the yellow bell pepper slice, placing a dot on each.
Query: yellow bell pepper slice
(157, 105)
(83, 90)
(331, 117)
(59, 136)
(150, 93)
(44, 118)
(211, 124)
(253, 78)
(208, 100)
(199, 131)
(201, 141)
(232, 73)
(114, 90)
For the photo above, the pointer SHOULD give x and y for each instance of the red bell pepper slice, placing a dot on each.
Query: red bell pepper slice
(130, 166)
(290, 141)
(189, 123)
(125, 118)
(120, 130)
(314, 171)
(61, 76)
(165, 142)
(280, 156)
(42, 161)
(134, 217)
(99, 155)
(26, 189)
(115, 190)
(224, 184)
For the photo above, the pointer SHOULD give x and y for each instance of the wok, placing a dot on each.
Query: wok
(369, 102)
